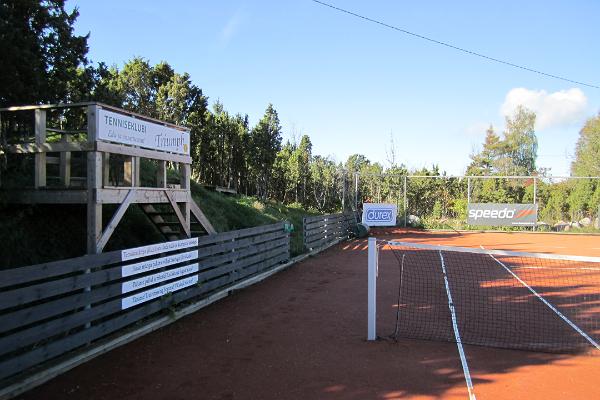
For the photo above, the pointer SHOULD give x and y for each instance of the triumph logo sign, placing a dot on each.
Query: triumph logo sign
(502, 214)
(378, 214)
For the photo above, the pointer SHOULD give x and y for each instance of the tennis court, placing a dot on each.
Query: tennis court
(302, 333)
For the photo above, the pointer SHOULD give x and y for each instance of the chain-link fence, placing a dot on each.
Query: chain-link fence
(434, 201)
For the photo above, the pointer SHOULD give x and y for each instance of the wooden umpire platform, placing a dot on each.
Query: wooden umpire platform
(91, 153)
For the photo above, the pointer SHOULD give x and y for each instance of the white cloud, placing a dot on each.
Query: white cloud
(231, 27)
(556, 109)
(477, 129)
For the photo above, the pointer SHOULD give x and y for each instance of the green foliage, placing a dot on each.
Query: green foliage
(514, 154)
(40, 53)
(587, 150)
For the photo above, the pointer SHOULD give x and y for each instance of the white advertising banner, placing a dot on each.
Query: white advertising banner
(154, 293)
(119, 128)
(146, 266)
(153, 279)
(379, 214)
(150, 250)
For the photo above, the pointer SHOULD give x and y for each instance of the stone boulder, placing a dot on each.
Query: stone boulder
(561, 226)
(585, 221)
(413, 220)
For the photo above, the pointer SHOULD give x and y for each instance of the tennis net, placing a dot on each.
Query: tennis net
(515, 300)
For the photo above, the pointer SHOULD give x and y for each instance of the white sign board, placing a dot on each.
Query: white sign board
(156, 292)
(150, 250)
(119, 128)
(379, 214)
(145, 266)
(136, 284)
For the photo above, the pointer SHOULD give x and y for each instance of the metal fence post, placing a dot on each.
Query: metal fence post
(372, 289)
(356, 189)
(405, 203)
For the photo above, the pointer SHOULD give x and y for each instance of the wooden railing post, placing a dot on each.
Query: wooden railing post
(40, 158)
(94, 183)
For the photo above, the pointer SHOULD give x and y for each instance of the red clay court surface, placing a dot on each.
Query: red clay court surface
(301, 334)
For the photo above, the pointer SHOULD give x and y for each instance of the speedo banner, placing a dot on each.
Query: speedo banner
(494, 214)
(379, 214)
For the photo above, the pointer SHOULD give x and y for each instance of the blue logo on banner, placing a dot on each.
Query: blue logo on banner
(379, 215)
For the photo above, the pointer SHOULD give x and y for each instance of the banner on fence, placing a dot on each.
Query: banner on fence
(494, 214)
(156, 292)
(379, 214)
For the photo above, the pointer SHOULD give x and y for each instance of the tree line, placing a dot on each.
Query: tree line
(44, 61)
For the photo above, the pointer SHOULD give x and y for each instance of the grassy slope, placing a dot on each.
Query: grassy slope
(236, 212)
(36, 234)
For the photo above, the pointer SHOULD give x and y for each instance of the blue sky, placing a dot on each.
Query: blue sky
(350, 84)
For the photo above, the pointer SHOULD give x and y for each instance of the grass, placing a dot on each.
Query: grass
(33, 234)
(228, 213)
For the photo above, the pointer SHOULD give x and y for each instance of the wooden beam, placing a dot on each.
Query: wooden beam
(138, 152)
(161, 174)
(40, 158)
(65, 166)
(48, 147)
(137, 166)
(94, 183)
(128, 171)
(185, 223)
(33, 196)
(184, 176)
(115, 195)
(105, 169)
(195, 209)
(114, 221)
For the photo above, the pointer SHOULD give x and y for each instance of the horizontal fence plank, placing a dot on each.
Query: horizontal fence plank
(65, 323)
(324, 229)
(49, 309)
(81, 338)
(19, 275)
(221, 237)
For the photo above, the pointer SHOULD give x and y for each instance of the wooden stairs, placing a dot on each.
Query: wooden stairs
(169, 221)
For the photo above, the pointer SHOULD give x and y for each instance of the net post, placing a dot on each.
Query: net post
(372, 289)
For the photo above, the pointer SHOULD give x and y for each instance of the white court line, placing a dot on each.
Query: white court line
(457, 249)
(543, 300)
(461, 351)
(558, 268)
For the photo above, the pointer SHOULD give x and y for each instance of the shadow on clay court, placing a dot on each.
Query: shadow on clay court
(301, 335)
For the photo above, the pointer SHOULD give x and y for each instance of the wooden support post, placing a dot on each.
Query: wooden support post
(40, 158)
(105, 169)
(161, 174)
(65, 165)
(94, 183)
(185, 222)
(137, 166)
(184, 175)
(114, 221)
(128, 171)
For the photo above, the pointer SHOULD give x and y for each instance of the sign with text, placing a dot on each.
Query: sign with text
(379, 214)
(145, 266)
(156, 292)
(150, 250)
(119, 128)
(493, 214)
(153, 279)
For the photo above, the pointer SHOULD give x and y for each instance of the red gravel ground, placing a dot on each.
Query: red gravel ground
(301, 335)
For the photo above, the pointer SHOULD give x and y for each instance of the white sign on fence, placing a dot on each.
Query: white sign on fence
(379, 214)
(145, 266)
(154, 293)
(153, 279)
(145, 251)
(119, 128)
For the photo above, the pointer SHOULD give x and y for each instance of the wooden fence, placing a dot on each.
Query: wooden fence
(48, 310)
(322, 230)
